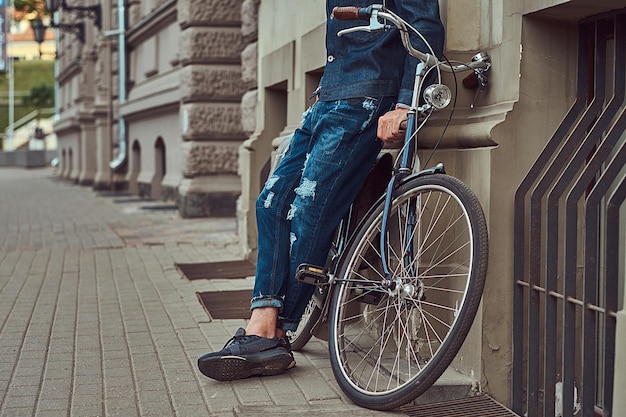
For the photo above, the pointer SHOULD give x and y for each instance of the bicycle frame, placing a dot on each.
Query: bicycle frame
(480, 63)
(409, 162)
(408, 158)
(410, 267)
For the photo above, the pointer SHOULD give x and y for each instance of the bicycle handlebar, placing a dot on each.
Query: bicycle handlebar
(480, 62)
(351, 13)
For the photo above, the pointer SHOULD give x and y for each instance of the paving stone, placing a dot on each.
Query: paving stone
(97, 320)
(16, 412)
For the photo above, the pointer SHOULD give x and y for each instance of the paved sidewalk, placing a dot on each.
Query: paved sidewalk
(96, 321)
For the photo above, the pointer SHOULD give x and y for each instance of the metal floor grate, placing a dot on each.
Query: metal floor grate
(226, 304)
(478, 406)
(216, 270)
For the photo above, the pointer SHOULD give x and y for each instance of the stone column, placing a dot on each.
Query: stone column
(102, 112)
(102, 179)
(86, 105)
(87, 150)
(211, 91)
(249, 101)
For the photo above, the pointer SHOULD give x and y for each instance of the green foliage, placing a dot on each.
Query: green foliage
(41, 96)
(23, 5)
(27, 6)
(28, 75)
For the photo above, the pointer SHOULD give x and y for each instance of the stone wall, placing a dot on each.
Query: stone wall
(211, 91)
(249, 64)
(27, 158)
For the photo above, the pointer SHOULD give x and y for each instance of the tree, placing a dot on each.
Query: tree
(41, 96)
(24, 7)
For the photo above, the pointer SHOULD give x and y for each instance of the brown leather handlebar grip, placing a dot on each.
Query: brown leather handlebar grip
(346, 13)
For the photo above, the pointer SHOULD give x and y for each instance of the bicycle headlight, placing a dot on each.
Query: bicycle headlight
(437, 95)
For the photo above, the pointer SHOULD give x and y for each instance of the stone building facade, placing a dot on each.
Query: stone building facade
(212, 86)
(179, 115)
(491, 147)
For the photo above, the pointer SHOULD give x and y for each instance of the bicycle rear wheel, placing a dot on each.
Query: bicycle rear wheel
(303, 333)
(389, 343)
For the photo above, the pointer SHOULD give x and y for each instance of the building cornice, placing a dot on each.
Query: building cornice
(151, 23)
(73, 69)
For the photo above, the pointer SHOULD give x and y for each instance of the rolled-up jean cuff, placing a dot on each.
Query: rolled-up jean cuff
(266, 302)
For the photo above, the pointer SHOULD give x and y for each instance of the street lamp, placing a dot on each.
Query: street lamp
(39, 30)
(93, 12)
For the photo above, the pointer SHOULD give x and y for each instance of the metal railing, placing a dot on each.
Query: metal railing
(567, 242)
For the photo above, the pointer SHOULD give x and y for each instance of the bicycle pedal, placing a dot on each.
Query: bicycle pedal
(311, 274)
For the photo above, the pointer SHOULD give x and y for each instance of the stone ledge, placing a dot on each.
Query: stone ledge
(209, 196)
(211, 45)
(202, 12)
(469, 128)
(203, 82)
(210, 158)
(250, 20)
(206, 121)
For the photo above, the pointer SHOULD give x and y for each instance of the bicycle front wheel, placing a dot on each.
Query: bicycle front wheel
(392, 337)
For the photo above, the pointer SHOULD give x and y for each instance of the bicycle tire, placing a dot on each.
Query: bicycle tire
(388, 347)
(303, 334)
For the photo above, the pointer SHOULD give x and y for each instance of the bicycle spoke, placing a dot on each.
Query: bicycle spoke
(449, 290)
(391, 332)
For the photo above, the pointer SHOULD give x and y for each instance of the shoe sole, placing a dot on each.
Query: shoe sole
(230, 368)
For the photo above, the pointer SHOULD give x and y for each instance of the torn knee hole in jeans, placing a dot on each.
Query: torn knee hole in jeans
(292, 240)
(269, 184)
(306, 161)
(306, 188)
(268, 200)
(369, 104)
(292, 212)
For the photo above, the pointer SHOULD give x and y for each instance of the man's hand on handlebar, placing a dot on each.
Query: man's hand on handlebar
(391, 127)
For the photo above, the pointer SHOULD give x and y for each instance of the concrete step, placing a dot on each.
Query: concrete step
(450, 386)
(313, 410)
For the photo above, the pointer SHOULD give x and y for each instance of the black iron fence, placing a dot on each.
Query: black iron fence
(567, 241)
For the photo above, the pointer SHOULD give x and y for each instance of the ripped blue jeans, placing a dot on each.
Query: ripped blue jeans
(308, 194)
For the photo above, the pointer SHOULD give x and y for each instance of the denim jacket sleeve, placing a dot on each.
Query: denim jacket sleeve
(424, 16)
(376, 64)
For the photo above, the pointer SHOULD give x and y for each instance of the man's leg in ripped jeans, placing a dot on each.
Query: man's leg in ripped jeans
(329, 171)
(258, 350)
(297, 212)
(344, 151)
(303, 202)
(273, 208)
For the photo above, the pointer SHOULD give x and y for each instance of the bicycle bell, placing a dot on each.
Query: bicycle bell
(437, 95)
(481, 57)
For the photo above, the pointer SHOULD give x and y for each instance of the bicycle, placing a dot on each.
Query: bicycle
(407, 267)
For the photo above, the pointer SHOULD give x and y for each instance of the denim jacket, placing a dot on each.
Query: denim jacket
(362, 64)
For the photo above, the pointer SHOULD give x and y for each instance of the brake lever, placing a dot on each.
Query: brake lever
(355, 29)
(372, 27)
(478, 79)
(482, 86)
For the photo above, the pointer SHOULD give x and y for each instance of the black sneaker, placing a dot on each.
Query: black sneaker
(244, 356)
